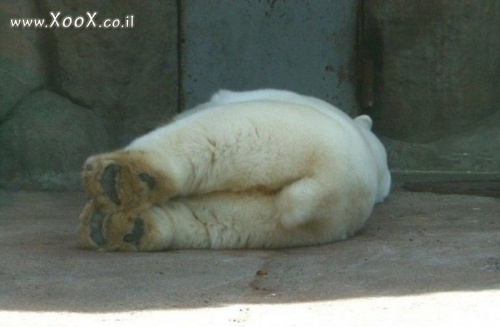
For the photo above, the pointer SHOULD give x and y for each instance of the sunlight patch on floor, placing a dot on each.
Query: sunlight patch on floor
(438, 309)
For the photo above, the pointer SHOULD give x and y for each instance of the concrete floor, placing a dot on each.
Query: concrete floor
(423, 258)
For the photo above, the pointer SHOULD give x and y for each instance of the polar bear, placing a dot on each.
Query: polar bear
(255, 169)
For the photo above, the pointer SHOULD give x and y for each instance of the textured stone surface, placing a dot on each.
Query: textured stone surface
(436, 65)
(117, 82)
(128, 75)
(475, 150)
(22, 66)
(45, 142)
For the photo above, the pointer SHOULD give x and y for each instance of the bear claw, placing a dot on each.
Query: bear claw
(148, 180)
(137, 232)
(108, 182)
(96, 222)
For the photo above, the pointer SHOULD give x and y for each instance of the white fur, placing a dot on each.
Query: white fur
(266, 168)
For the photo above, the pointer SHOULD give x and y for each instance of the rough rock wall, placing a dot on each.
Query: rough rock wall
(69, 93)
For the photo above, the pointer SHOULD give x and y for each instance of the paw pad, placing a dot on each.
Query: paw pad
(108, 182)
(137, 232)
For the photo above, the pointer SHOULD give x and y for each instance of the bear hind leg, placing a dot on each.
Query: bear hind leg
(144, 229)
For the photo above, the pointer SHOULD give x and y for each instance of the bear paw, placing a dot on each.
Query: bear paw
(136, 230)
(121, 180)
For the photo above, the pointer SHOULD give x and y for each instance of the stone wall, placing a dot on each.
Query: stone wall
(69, 93)
(429, 75)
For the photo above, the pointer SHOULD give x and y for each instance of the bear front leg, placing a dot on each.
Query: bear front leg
(124, 180)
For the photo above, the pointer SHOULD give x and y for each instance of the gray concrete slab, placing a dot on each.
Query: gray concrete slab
(422, 258)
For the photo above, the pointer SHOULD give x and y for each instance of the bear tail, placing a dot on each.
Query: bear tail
(365, 121)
